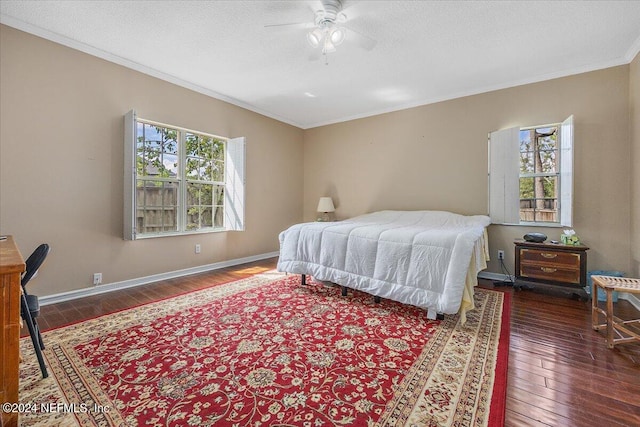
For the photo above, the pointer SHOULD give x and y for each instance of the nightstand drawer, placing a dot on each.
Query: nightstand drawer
(550, 272)
(559, 259)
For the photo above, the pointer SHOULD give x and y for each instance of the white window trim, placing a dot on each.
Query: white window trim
(234, 208)
(504, 173)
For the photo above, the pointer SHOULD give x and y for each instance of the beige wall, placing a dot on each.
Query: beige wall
(634, 113)
(435, 157)
(61, 165)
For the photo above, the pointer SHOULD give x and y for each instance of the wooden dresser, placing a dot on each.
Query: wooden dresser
(11, 268)
(562, 267)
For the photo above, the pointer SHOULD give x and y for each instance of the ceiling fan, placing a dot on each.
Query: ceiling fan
(328, 30)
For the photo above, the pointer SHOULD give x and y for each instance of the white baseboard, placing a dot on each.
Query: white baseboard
(109, 287)
(494, 276)
(633, 299)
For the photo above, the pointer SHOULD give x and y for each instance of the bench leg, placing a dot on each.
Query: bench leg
(594, 306)
(609, 316)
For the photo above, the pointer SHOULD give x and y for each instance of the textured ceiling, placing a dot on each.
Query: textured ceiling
(426, 51)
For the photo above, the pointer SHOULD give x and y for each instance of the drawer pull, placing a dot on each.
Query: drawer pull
(548, 255)
(548, 270)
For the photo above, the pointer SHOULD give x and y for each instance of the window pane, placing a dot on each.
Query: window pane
(192, 168)
(545, 148)
(538, 199)
(526, 188)
(547, 152)
(526, 162)
(206, 217)
(204, 171)
(548, 161)
(205, 157)
(525, 140)
(212, 170)
(206, 195)
(170, 164)
(199, 194)
(218, 216)
(218, 198)
(218, 150)
(218, 171)
(218, 201)
(157, 203)
(157, 151)
(191, 141)
(193, 194)
(549, 185)
(193, 218)
(199, 205)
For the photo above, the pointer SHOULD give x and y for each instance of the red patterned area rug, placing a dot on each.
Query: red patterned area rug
(268, 351)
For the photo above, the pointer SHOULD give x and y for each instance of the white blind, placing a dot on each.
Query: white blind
(504, 195)
(129, 230)
(566, 172)
(235, 184)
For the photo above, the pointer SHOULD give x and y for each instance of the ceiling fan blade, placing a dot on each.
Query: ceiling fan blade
(291, 25)
(361, 40)
(354, 10)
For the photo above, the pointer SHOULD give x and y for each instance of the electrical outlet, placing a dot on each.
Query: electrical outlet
(500, 254)
(198, 248)
(97, 278)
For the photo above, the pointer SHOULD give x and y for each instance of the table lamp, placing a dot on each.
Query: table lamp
(325, 206)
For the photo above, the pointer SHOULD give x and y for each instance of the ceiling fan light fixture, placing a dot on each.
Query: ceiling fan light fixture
(328, 47)
(337, 35)
(314, 37)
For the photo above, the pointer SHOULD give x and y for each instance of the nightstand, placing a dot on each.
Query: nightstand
(553, 266)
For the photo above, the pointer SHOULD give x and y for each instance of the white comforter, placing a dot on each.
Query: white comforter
(414, 257)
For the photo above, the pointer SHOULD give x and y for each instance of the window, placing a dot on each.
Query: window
(180, 181)
(539, 174)
(531, 175)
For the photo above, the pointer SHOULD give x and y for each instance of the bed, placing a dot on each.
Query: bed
(429, 259)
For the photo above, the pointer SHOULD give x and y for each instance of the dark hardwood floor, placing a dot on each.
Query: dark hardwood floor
(561, 372)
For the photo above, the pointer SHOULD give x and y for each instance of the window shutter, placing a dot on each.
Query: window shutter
(566, 172)
(235, 184)
(504, 192)
(129, 231)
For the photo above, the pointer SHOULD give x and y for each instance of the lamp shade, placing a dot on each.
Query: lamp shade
(315, 37)
(326, 205)
(337, 35)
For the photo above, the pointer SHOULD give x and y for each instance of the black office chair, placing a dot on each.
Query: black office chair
(30, 306)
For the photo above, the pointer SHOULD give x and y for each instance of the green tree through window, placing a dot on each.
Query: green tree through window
(539, 174)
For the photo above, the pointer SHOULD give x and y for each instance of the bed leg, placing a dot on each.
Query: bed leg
(376, 299)
(440, 316)
(344, 291)
(303, 279)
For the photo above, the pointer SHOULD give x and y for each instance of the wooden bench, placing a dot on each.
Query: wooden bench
(625, 330)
